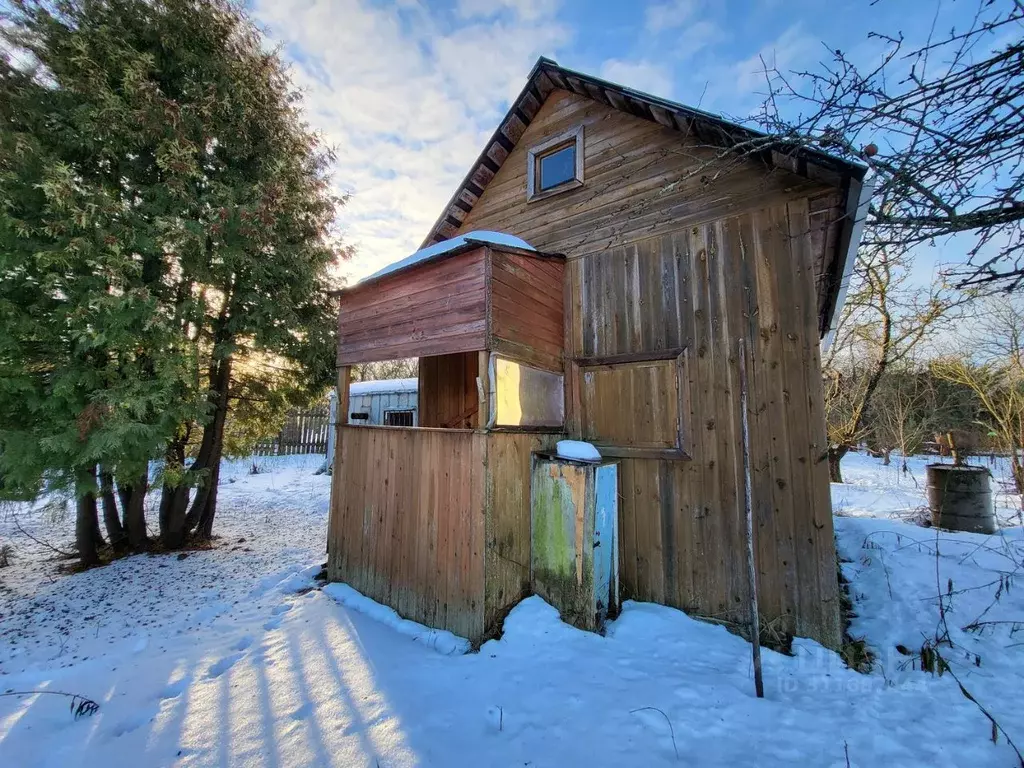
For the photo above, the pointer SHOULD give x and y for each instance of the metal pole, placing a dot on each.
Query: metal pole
(755, 624)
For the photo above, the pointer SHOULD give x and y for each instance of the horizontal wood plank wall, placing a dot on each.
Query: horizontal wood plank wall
(437, 308)
(448, 396)
(527, 308)
(636, 184)
(407, 522)
(507, 524)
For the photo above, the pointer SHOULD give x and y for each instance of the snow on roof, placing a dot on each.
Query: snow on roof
(445, 246)
(382, 386)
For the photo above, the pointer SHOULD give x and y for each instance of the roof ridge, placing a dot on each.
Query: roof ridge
(546, 75)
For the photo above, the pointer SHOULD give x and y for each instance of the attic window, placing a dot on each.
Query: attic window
(556, 165)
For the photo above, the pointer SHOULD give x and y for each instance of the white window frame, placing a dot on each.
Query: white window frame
(534, 155)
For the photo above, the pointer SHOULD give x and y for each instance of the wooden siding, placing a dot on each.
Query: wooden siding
(431, 522)
(507, 527)
(634, 405)
(448, 395)
(407, 522)
(526, 308)
(637, 186)
(433, 309)
(681, 521)
(658, 263)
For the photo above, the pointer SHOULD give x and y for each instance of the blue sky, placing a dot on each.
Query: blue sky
(409, 91)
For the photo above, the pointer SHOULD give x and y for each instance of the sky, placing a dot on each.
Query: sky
(408, 92)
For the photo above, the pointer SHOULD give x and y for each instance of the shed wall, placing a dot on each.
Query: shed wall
(379, 403)
(434, 523)
(527, 309)
(407, 522)
(659, 262)
(507, 526)
(448, 395)
(434, 309)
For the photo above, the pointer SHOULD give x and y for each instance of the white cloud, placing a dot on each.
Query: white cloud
(527, 10)
(792, 49)
(695, 37)
(669, 15)
(641, 75)
(406, 105)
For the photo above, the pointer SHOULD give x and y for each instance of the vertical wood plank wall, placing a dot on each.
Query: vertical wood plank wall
(407, 522)
(659, 259)
(434, 523)
(507, 527)
(448, 396)
(681, 521)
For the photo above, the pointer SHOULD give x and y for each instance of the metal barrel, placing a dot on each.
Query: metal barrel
(960, 498)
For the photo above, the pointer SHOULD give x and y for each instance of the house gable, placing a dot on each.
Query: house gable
(651, 166)
(638, 183)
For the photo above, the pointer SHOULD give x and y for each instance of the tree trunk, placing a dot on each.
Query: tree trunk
(1018, 470)
(87, 524)
(111, 518)
(835, 455)
(135, 512)
(886, 458)
(200, 516)
(124, 494)
(174, 499)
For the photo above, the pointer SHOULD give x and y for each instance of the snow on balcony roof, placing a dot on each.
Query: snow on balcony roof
(446, 246)
(382, 385)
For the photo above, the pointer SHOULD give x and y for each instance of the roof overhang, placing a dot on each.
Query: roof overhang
(706, 128)
(467, 244)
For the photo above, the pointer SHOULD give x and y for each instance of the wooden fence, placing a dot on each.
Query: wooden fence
(303, 432)
(434, 523)
(407, 522)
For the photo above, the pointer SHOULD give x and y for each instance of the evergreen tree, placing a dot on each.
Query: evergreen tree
(164, 207)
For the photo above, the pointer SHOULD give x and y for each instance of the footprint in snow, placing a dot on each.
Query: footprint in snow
(173, 690)
(302, 712)
(218, 668)
(244, 643)
(278, 615)
(139, 719)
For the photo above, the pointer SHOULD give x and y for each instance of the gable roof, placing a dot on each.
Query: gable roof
(706, 128)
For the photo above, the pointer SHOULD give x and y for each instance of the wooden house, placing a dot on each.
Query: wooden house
(642, 239)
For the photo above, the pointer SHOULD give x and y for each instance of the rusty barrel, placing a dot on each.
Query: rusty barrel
(960, 498)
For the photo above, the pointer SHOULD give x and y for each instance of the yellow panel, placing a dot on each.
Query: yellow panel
(527, 396)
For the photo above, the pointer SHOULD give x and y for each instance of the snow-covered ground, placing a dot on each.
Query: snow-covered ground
(231, 656)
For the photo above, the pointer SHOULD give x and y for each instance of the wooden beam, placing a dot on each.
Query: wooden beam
(483, 387)
(630, 357)
(632, 452)
(344, 378)
(337, 503)
(748, 520)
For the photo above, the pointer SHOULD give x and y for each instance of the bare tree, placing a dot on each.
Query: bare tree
(901, 418)
(885, 319)
(941, 124)
(387, 369)
(993, 368)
